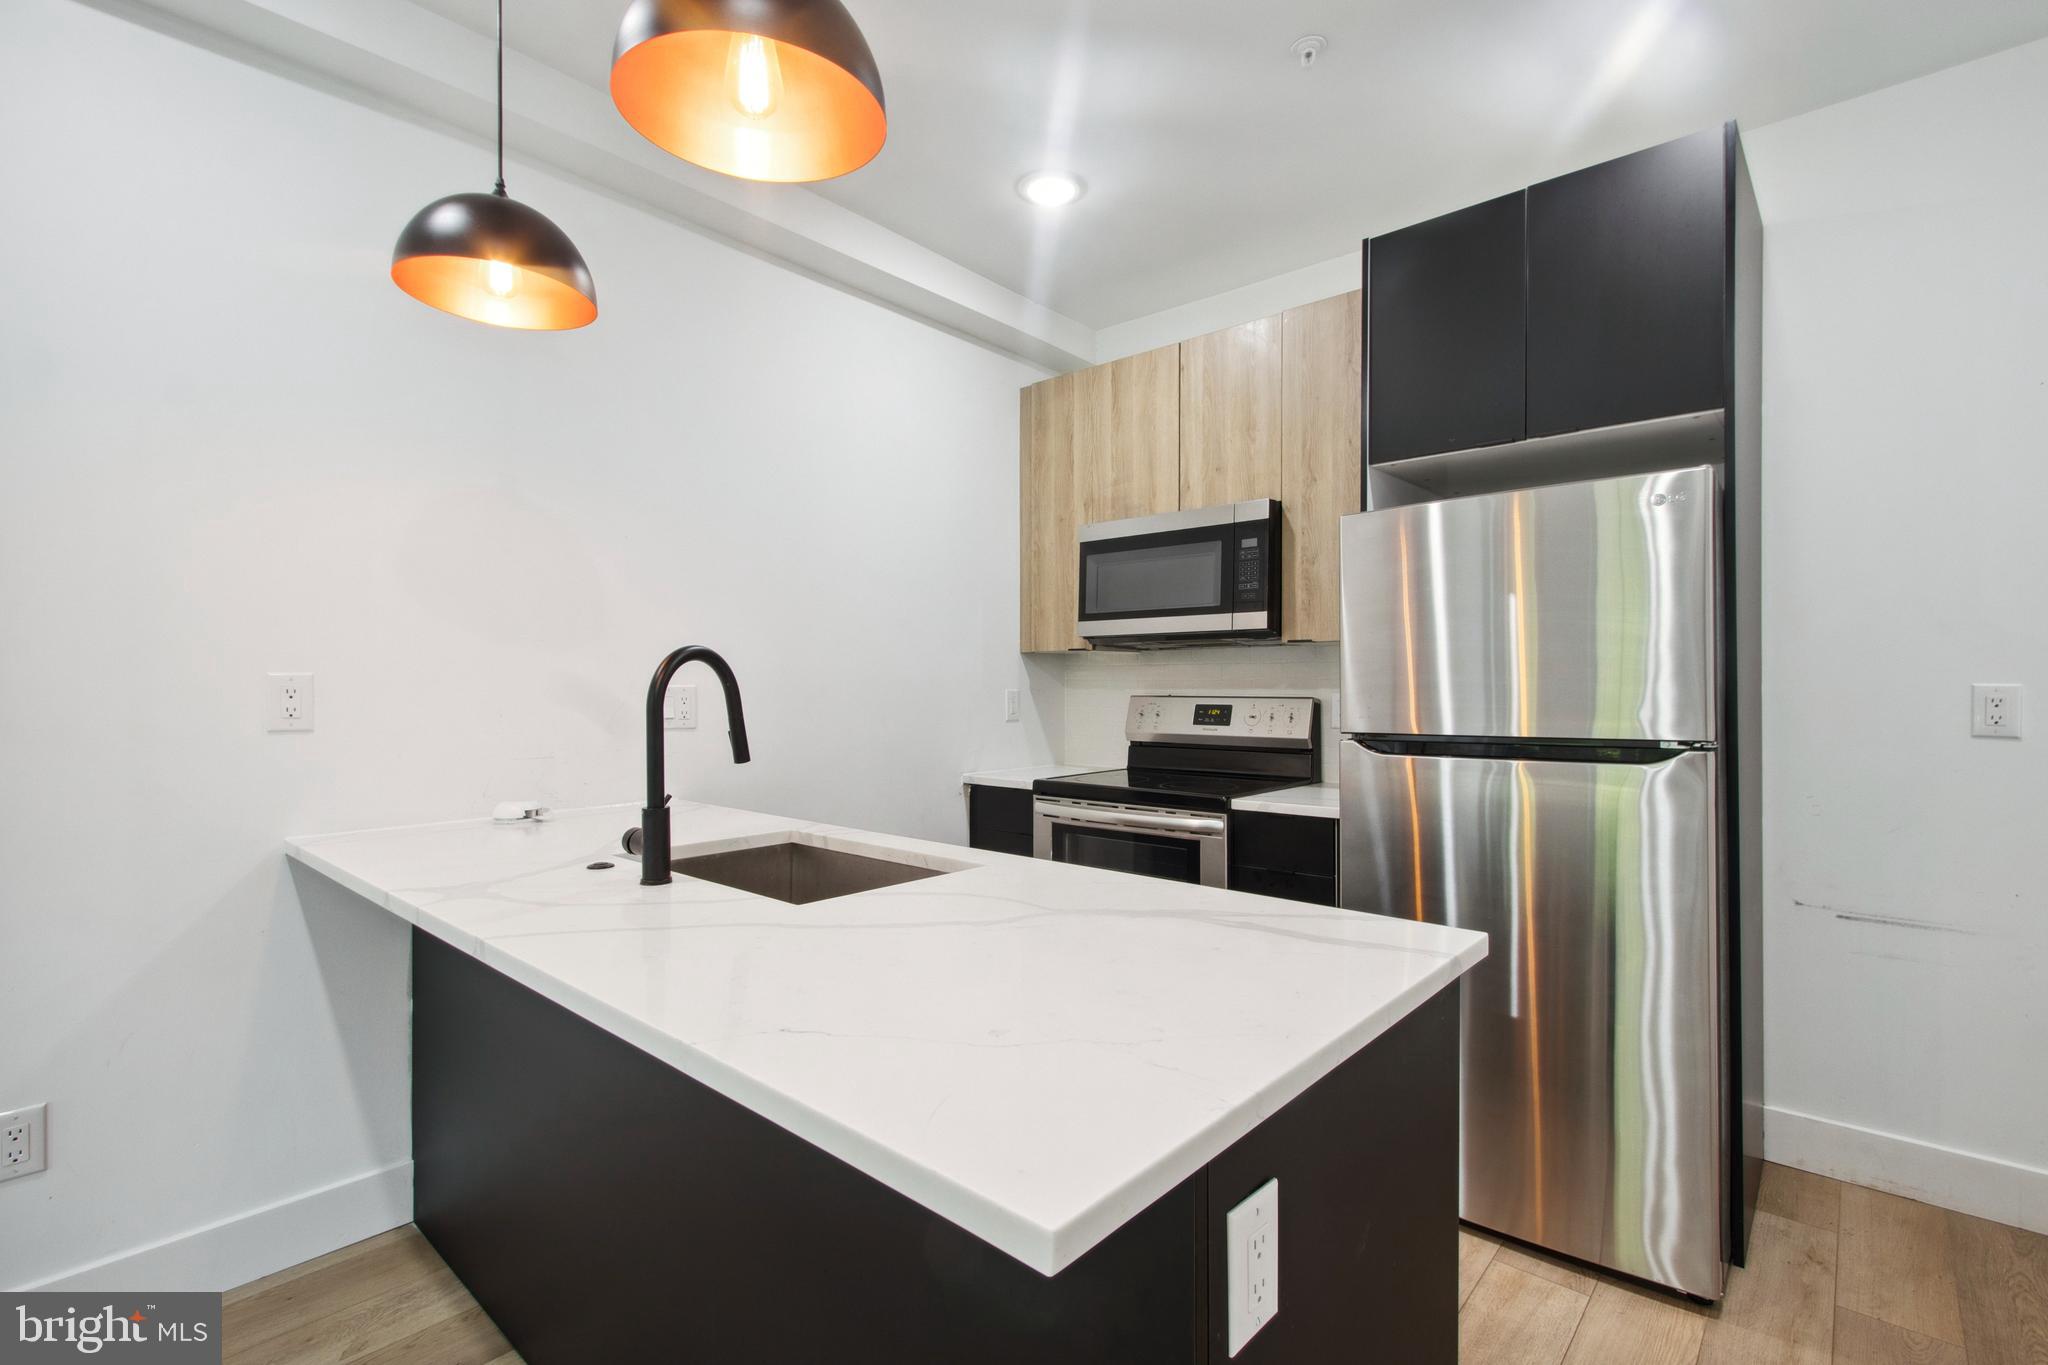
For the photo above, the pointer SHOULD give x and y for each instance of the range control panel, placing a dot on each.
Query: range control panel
(1281, 722)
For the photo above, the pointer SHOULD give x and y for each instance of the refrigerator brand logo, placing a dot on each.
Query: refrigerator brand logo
(1661, 499)
(51, 1326)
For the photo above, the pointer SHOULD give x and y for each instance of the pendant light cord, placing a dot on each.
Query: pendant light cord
(501, 97)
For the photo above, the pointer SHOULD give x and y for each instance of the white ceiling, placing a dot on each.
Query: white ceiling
(1212, 160)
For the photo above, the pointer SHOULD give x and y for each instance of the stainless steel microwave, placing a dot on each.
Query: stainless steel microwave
(1208, 575)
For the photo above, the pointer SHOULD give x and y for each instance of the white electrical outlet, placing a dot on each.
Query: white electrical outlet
(22, 1147)
(1251, 1233)
(1995, 710)
(1010, 704)
(289, 701)
(679, 707)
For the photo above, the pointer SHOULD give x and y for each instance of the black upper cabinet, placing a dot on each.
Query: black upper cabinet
(1445, 323)
(1587, 301)
(1627, 304)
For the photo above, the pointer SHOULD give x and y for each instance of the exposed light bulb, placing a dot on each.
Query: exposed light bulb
(501, 279)
(753, 73)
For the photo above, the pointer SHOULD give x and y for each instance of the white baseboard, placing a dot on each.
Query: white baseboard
(250, 1245)
(1968, 1182)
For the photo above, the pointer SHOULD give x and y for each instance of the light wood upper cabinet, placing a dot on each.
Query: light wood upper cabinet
(1127, 441)
(1048, 588)
(1097, 445)
(1319, 456)
(1269, 409)
(1230, 396)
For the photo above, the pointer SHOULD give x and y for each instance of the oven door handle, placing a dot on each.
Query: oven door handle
(1210, 825)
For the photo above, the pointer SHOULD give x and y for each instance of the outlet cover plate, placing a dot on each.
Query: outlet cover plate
(1251, 1234)
(289, 702)
(23, 1144)
(1995, 710)
(679, 707)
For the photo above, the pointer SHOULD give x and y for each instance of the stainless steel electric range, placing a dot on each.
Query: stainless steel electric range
(1166, 813)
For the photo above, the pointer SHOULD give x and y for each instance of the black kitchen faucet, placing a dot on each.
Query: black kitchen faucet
(651, 840)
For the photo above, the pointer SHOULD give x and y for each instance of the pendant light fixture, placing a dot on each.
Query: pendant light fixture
(780, 90)
(490, 258)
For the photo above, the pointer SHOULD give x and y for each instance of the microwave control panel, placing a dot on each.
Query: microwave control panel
(1249, 582)
(1269, 721)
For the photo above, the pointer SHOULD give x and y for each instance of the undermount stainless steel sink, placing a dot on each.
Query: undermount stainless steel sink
(797, 872)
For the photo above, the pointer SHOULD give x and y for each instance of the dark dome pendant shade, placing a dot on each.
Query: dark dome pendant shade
(775, 90)
(492, 259)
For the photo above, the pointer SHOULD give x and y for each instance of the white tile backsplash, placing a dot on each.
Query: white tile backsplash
(1099, 685)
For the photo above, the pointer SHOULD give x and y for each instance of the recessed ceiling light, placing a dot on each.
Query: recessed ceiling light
(1050, 189)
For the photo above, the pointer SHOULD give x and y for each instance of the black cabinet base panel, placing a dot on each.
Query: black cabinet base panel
(604, 1207)
(999, 819)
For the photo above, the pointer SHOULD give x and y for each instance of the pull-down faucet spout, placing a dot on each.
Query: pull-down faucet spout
(651, 840)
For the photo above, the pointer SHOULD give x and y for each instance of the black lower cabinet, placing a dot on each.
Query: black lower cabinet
(1294, 856)
(999, 819)
(604, 1207)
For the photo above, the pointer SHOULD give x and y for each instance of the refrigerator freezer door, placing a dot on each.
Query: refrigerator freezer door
(1592, 1104)
(1578, 611)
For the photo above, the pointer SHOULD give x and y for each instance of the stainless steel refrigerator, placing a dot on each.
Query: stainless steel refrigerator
(1531, 701)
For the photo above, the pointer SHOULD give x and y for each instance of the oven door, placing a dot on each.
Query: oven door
(1181, 846)
(1194, 573)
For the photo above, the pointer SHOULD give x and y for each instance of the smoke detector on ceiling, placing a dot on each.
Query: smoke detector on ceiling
(1308, 50)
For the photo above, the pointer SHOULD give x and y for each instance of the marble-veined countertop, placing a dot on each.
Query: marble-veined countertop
(1022, 778)
(1315, 799)
(1034, 1050)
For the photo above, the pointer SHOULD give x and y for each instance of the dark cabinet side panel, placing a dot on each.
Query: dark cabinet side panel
(1367, 1162)
(602, 1206)
(999, 819)
(1626, 304)
(1292, 856)
(1445, 324)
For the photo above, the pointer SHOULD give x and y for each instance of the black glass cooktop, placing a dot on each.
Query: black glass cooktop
(1160, 787)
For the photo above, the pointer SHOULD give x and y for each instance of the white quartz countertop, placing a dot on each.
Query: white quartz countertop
(1034, 1050)
(1318, 800)
(1024, 777)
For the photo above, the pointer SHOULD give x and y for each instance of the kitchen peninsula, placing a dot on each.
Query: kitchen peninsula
(881, 1099)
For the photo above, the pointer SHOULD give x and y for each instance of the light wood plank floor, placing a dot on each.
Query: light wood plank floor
(1838, 1275)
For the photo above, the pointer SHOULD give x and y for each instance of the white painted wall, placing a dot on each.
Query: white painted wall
(1905, 428)
(229, 445)
(1260, 299)
(1906, 457)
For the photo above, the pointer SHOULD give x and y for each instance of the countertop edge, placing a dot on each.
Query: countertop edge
(1091, 1227)
(1020, 778)
(1310, 800)
(1046, 1249)
(298, 848)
